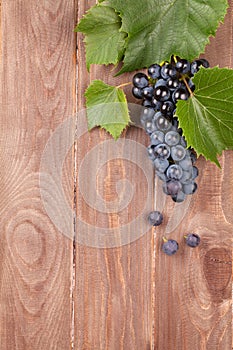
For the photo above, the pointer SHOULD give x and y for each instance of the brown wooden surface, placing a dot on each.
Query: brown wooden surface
(60, 294)
(37, 85)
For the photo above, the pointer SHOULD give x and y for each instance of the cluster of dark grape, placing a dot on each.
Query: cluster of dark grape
(160, 91)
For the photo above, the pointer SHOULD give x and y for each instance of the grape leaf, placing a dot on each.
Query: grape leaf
(104, 43)
(106, 107)
(158, 29)
(206, 118)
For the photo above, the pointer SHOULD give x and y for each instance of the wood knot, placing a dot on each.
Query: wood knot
(217, 271)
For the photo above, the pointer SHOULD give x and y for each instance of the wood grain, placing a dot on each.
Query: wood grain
(122, 292)
(193, 300)
(37, 93)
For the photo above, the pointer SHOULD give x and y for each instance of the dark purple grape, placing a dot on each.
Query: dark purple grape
(191, 85)
(161, 164)
(160, 82)
(167, 108)
(174, 172)
(180, 94)
(148, 104)
(168, 71)
(195, 172)
(183, 66)
(154, 71)
(157, 104)
(173, 83)
(150, 151)
(170, 247)
(146, 115)
(157, 137)
(162, 123)
(179, 197)
(195, 65)
(162, 93)
(190, 188)
(155, 218)
(172, 187)
(162, 151)
(192, 240)
(150, 126)
(193, 156)
(140, 80)
(148, 92)
(137, 92)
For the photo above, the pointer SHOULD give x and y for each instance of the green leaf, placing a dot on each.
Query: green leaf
(105, 44)
(158, 29)
(207, 117)
(106, 107)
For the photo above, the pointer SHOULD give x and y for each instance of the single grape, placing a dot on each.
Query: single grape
(186, 162)
(170, 247)
(182, 139)
(172, 187)
(179, 197)
(162, 93)
(204, 63)
(172, 138)
(190, 188)
(186, 176)
(154, 71)
(137, 92)
(195, 172)
(146, 115)
(155, 218)
(148, 92)
(161, 175)
(140, 80)
(180, 94)
(162, 123)
(161, 164)
(168, 71)
(195, 65)
(167, 108)
(192, 240)
(157, 137)
(162, 151)
(148, 104)
(160, 82)
(183, 66)
(173, 83)
(150, 151)
(178, 152)
(191, 84)
(157, 104)
(175, 122)
(150, 127)
(174, 172)
(193, 156)
(156, 116)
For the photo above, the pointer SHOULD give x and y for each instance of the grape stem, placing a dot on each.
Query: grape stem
(187, 86)
(124, 84)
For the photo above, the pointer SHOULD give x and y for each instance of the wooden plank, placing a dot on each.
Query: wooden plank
(37, 93)
(193, 288)
(113, 299)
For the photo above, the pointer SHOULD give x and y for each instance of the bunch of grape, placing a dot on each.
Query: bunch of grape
(160, 91)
